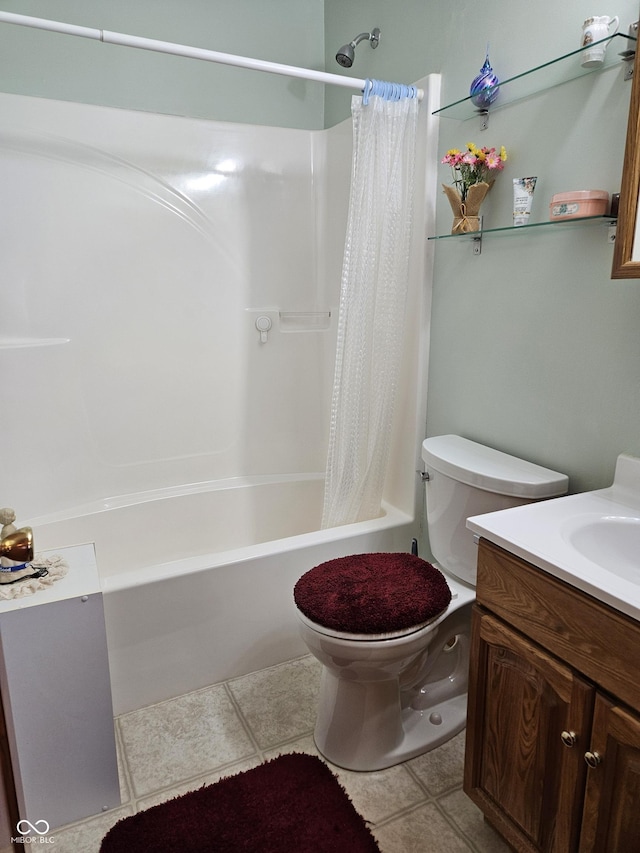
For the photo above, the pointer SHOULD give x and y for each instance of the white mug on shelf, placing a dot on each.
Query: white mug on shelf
(594, 29)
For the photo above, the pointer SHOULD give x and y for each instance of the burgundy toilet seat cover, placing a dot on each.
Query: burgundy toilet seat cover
(372, 593)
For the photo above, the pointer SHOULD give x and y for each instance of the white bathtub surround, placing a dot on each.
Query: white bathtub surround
(373, 295)
(139, 250)
(140, 538)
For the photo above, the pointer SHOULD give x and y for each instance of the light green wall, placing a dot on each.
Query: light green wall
(535, 349)
(423, 36)
(404, 53)
(52, 65)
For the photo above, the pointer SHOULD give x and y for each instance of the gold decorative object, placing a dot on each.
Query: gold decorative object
(18, 546)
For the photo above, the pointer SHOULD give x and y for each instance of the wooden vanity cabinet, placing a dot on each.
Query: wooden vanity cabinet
(553, 733)
(520, 774)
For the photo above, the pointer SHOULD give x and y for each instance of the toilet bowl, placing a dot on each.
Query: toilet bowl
(378, 703)
(390, 692)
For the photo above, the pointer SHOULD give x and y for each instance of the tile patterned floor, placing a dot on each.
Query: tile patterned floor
(179, 745)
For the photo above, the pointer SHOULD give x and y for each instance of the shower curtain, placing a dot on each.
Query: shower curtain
(373, 294)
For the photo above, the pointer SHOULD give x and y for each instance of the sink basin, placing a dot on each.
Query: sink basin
(613, 542)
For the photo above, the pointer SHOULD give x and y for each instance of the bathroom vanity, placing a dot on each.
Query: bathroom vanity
(553, 729)
(553, 732)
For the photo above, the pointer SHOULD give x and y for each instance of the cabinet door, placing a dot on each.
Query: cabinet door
(611, 822)
(529, 785)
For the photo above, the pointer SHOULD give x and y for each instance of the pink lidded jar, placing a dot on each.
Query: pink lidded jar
(578, 203)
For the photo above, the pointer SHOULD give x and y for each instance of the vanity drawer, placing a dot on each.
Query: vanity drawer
(590, 636)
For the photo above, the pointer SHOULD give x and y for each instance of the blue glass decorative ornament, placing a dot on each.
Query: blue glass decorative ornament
(481, 91)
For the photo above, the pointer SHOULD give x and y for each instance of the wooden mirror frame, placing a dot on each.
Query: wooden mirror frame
(624, 265)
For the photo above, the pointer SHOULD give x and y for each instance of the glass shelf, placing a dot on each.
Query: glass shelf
(543, 77)
(509, 229)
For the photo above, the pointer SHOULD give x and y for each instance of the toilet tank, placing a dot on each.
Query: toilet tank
(465, 479)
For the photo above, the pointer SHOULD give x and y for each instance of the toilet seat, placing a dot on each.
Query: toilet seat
(368, 638)
(372, 596)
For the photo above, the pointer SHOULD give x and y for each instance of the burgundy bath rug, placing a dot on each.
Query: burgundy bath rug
(292, 804)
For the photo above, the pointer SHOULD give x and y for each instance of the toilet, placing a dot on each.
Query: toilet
(392, 630)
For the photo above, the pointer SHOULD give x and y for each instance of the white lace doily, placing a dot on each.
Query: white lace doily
(56, 567)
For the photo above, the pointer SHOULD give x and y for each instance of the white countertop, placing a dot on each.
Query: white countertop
(541, 534)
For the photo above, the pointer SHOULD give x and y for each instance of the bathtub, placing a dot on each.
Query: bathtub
(197, 581)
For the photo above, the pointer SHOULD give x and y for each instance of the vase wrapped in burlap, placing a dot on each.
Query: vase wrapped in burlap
(466, 214)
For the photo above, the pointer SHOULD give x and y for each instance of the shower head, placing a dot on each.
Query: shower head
(347, 52)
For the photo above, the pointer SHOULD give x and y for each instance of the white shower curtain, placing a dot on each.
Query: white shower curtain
(372, 307)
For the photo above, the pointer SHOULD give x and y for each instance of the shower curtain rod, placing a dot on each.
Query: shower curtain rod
(184, 50)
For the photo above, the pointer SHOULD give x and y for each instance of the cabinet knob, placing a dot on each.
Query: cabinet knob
(592, 759)
(569, 738)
